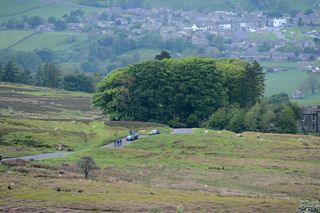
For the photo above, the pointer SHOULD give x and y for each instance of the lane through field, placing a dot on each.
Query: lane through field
(125, 142)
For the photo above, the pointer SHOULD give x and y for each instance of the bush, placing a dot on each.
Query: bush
(155, 210)
(176, 122)
(306, 206)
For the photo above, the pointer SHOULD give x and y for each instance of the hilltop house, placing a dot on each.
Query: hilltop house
(310, 119)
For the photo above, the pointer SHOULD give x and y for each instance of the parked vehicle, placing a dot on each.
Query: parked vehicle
(132, 136)
(154, 132)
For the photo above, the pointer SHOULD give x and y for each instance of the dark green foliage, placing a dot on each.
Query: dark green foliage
(180, 92)
(236, 123)
(51, 19)
(11, 73)
(35, 21)
(60, 25)
(163, 55)
(26, 77)
(222, 117)
(265, 47)
(273, 117)
(265, 116)
(1, 71)
(46, 55)
(251, 85)
(279, 98)
(77, 82)
(48, 76)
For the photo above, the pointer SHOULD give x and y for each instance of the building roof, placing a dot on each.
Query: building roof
(311, 110)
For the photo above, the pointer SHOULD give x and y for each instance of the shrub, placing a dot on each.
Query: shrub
(306, 206)
(155, 210)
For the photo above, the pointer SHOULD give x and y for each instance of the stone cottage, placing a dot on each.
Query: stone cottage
(310, 119)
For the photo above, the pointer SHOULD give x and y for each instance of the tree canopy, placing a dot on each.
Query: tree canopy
(180, 92)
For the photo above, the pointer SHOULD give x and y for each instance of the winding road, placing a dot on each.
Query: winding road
(125, 142)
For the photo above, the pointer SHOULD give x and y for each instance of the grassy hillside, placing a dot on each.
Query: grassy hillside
(51, 40)
(44, 103)
(10, 37)
(265, 5)
(16, 9)
(207, 171)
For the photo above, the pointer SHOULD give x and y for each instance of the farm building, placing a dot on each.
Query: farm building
(310, 119)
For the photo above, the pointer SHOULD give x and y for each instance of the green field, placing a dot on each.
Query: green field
(16, 9)
(286, 64)
(51, 40)
(300, 33)
(265, 36)
(267, 6)
(288, 82)
(9, 37)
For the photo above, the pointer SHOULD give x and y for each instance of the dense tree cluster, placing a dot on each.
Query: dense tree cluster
(276, 114)
(180, 92)
(47, 75)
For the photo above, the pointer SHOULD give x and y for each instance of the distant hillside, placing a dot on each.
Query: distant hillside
(270, 6)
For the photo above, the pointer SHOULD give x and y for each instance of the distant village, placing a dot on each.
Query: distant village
(236, 30)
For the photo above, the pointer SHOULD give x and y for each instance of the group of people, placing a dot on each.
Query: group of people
(118, 143)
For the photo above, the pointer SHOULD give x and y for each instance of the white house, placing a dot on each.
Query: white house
(278, 22)
(225, 27)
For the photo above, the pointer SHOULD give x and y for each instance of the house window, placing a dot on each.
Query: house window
(314, 128)
(314, 117)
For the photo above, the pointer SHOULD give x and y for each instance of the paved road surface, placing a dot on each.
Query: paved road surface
(40, 156)
(182, 131)
(124, 143)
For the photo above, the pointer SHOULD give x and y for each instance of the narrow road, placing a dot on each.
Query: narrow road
(40, 156)
(124, 143)
(109, 146)
(182, 131)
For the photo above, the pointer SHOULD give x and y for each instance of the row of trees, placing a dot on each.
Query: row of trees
(47, 75)
(276, 114)
(180, 92)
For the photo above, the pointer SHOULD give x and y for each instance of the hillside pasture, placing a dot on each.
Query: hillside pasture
(16, 9)
(207, 171)
(38, 102)
(289, 82)
(51, 40)
(10, 37)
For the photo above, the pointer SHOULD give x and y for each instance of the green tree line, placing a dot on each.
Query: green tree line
(179, 92)
(47, 75)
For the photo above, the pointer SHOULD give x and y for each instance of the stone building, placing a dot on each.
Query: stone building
(310, 119)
